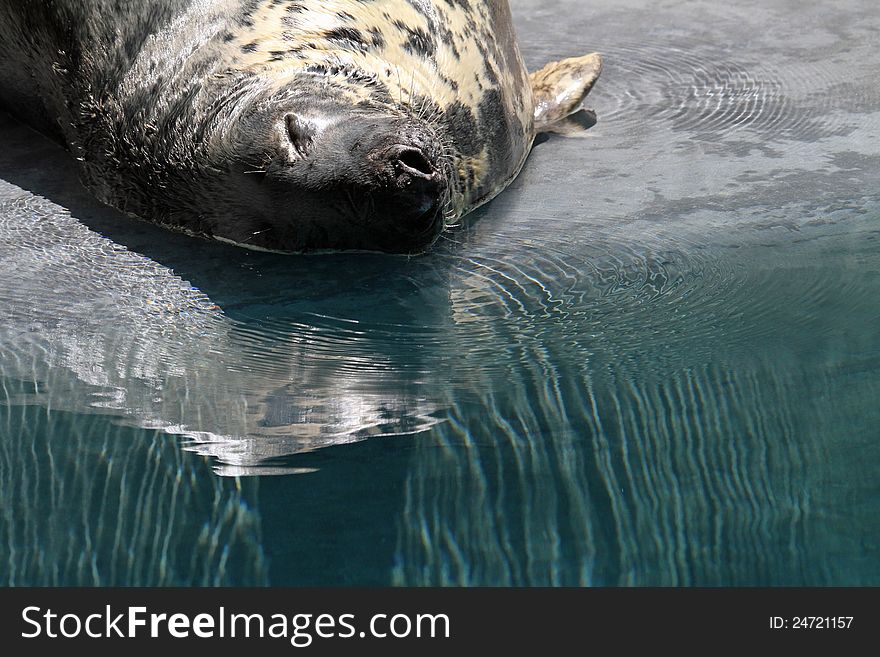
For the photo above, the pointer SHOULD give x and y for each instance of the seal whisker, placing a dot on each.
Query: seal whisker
(399, 88)
(256, 233)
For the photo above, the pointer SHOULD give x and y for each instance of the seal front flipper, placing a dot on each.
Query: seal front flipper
(559, 89)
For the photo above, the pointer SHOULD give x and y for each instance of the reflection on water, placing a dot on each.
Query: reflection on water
(91, 503)
(652, 361)
(254, 380)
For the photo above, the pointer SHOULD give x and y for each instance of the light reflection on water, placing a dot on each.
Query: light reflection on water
(654, 360)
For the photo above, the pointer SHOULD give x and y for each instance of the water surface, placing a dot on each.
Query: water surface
(653, 360)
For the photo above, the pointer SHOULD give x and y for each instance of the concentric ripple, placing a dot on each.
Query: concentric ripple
(592, 296)
(709, 92)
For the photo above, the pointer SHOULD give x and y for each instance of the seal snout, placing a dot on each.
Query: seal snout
(359, 179)
(414, 182)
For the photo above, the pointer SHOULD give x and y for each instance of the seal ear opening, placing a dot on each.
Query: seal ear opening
(300, 133)
(559, 90)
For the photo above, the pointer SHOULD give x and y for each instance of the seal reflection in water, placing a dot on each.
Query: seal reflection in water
(288, 125)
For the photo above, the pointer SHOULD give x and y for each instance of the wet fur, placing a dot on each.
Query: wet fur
(144, 94)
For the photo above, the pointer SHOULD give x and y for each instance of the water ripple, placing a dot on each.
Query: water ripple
(709, 92)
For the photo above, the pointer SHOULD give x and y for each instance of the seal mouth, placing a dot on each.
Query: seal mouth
(394, 225)
(411, 194)
(427, 225)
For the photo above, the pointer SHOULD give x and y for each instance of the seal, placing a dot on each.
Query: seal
(287, 125)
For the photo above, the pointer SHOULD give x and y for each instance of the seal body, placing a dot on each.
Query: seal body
(287, 125)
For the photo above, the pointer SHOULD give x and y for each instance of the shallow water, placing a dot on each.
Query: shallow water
(654, 360)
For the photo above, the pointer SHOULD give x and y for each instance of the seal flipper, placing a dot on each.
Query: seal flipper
(560, 87)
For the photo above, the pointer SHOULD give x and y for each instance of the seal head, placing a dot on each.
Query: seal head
(310, 173)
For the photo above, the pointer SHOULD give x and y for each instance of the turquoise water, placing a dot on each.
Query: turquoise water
(654, 360)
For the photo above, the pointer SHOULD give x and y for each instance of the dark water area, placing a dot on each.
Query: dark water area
(653, 360)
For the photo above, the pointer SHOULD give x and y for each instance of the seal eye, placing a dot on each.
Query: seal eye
(299, 133)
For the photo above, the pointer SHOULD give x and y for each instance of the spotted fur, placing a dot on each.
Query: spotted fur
(454, 63)
(141, 91)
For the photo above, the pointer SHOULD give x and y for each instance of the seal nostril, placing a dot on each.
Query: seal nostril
(414, 159)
